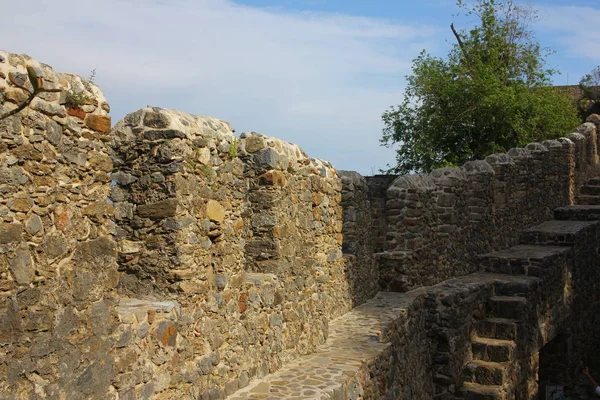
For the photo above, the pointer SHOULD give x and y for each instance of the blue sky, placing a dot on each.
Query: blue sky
(318, 73)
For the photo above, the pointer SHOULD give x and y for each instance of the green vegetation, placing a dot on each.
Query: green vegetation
(233, 148)
(590, 86)
(77, 99)
(491, 93)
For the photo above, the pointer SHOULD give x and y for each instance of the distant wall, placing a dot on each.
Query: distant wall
(438, 223)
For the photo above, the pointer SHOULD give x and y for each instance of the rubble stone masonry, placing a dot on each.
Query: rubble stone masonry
(166, 257)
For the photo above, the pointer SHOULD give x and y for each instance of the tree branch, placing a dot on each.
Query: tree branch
(461, 44)
(21, 106)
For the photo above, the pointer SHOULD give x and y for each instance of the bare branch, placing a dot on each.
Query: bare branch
(20, 107)
(461, 44)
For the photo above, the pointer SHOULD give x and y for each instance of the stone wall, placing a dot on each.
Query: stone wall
(362, 235)
(163, 256)
(58, 266)
(243, 234)
(438, 223)
(168, 258)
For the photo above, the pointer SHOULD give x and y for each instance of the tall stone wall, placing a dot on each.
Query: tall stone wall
(58, 266)
(243, 234)
(438, 223)
(165, 256)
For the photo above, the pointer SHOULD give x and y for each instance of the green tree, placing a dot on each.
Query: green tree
(491, 93)
(590, 87)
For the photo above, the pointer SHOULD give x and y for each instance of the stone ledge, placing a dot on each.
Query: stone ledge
(578, 213)
(564, 233)
(129, 308)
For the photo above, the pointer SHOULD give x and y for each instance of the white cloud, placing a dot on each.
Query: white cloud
(574, 27)
(319, 80)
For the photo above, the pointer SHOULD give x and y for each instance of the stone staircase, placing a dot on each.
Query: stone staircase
(590, 193)
(498, 339)
(494, 345)
(342, 367)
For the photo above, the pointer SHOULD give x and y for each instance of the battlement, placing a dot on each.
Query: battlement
(167, 257)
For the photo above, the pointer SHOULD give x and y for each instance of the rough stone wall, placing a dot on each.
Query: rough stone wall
(218, 259)
(360, 238)
(57, 256)
(438, 223)
(243, 234)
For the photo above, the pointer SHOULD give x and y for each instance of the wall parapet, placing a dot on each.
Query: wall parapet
(438, 223)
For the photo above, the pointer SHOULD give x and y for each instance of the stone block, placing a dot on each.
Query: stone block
(99, 123)
(158, 210)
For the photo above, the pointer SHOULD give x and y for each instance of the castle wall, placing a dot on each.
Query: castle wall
(168, 258)
(244, 234)
(438, 223)
(58, 264)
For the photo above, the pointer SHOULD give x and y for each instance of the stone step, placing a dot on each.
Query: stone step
(524, 259)
(499, 328)
(578, 213)
(562, 233)
(521, 286)
(593, 181)
(496, 350)
(486, 373)
(511, 307)
(593, 190)
(587, 199)
(475, 391)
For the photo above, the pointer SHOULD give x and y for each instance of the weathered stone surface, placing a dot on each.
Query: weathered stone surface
(99, 123)
(55, 245)
(10, 232)
(21, 266)
(215, 211)
(161, 209)
(34, 224)
(274, 177)
(254, 143)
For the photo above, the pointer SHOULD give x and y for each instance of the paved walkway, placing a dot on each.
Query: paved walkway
(354, 339)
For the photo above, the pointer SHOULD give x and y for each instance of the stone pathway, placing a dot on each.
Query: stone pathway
(360, 336)
(354, 339)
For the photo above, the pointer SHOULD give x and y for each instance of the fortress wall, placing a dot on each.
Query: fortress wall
(361, 235)
(168, 257)
(58, 265)
(163, 256)
(438, 223)
(243, 236)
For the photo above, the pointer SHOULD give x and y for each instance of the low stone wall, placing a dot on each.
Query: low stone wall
(438, 223)
(58, 265)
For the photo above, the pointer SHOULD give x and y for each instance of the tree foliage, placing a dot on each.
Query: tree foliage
(491, 93)
(590, 86)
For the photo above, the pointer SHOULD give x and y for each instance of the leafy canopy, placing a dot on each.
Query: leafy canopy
(590, 86)
(491, 93)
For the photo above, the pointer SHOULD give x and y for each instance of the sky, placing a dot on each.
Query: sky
(318, 73)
